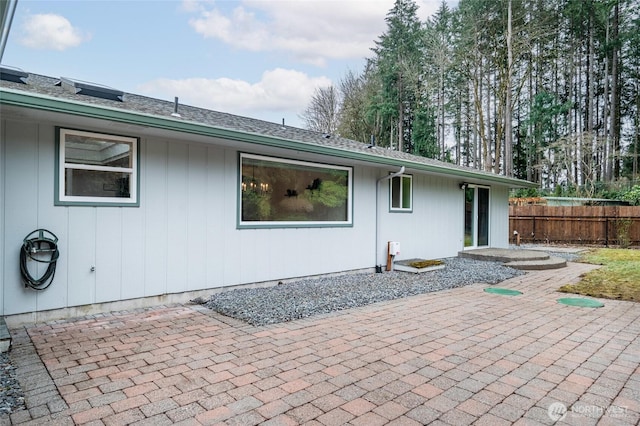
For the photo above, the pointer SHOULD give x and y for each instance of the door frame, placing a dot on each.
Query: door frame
(474, 217)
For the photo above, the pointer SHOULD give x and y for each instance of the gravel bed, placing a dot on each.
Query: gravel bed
(305, 298)
(11, 395)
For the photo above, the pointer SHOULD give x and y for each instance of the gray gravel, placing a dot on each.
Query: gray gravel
(305, 298)
(11, 395)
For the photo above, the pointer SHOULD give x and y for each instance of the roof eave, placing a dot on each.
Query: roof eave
(48, 103)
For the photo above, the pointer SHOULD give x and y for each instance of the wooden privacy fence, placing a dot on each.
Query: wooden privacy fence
(607, 225)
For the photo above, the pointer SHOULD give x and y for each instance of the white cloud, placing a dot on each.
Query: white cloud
(313, 31)
(50, 31)
(278, 90)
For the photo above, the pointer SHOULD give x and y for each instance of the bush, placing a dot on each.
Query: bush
(526, 193)
(623, 228)
(632, 196)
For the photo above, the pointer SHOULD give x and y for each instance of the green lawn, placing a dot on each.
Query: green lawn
(619, 277)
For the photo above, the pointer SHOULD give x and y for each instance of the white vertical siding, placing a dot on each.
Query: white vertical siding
(183, 236)
(20, 209)
(196, 277)
(55, 220)
(2, 242)
(230, 249)
(108, 257)
(217, 219)
(133, 253)
(178, 209)
(434, 229)
(81, 256)
(499, 217)
(155, 201)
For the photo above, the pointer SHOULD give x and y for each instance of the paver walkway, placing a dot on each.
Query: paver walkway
(461, 356)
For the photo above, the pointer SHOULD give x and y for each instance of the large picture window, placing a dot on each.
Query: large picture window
(276, 192)
(400, 188)
(96, 169)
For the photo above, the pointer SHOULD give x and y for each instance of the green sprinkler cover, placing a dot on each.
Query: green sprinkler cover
(580, 301)
(503, 291)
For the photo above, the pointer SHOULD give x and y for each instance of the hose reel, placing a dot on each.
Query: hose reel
(41, 248)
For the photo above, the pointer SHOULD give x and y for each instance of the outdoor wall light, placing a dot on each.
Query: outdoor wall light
(463, 185)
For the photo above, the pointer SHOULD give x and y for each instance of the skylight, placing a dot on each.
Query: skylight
(80, 87)
(13, 74)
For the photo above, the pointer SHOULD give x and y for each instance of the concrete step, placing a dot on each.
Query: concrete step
(538, 265)
(504, 255)
(518, 259)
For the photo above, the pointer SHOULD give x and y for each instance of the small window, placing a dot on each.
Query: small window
(401, 193)
(96, 169)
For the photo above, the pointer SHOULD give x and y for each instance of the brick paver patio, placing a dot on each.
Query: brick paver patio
(455, 357)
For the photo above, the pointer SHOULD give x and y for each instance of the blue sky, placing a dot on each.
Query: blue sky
(257, 58)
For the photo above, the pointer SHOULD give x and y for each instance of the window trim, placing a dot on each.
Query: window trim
(61, 199)
(241, 224)
(401, 209)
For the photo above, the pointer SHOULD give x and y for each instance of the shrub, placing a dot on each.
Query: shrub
(632, 196)
(623, 228)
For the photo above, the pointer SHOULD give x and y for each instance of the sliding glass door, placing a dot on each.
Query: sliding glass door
(476, 217)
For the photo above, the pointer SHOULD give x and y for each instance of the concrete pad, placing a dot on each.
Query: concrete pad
(503, 255)
(551, 262)
(555, 249)
(517, 258)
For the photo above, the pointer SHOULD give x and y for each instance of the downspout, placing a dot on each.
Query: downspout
(7, 10)
(391, 176)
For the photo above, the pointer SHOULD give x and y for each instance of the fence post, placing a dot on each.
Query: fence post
(533, 237)
(606, 231)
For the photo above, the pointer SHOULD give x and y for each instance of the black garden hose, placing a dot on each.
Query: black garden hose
(37, 248)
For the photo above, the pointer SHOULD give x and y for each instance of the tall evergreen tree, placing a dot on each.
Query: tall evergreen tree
(557, 79)
(438, 56)
(398, 63)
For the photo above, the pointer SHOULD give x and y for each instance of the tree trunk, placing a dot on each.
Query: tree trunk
(614, 125)
(587, 152)
(508, 131)
(400, 117)
(487, 142)
(608, 157)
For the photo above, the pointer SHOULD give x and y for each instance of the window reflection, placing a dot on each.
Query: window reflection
(275, 190)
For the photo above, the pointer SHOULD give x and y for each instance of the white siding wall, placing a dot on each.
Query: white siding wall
(435, 227)
(183, 236)
(3, 169)
(499, 217)
(20, 169)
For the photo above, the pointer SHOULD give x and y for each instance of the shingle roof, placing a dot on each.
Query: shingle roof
(49, 87)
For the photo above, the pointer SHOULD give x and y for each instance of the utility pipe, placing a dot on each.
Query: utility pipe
(7, 10)
(391, 176)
